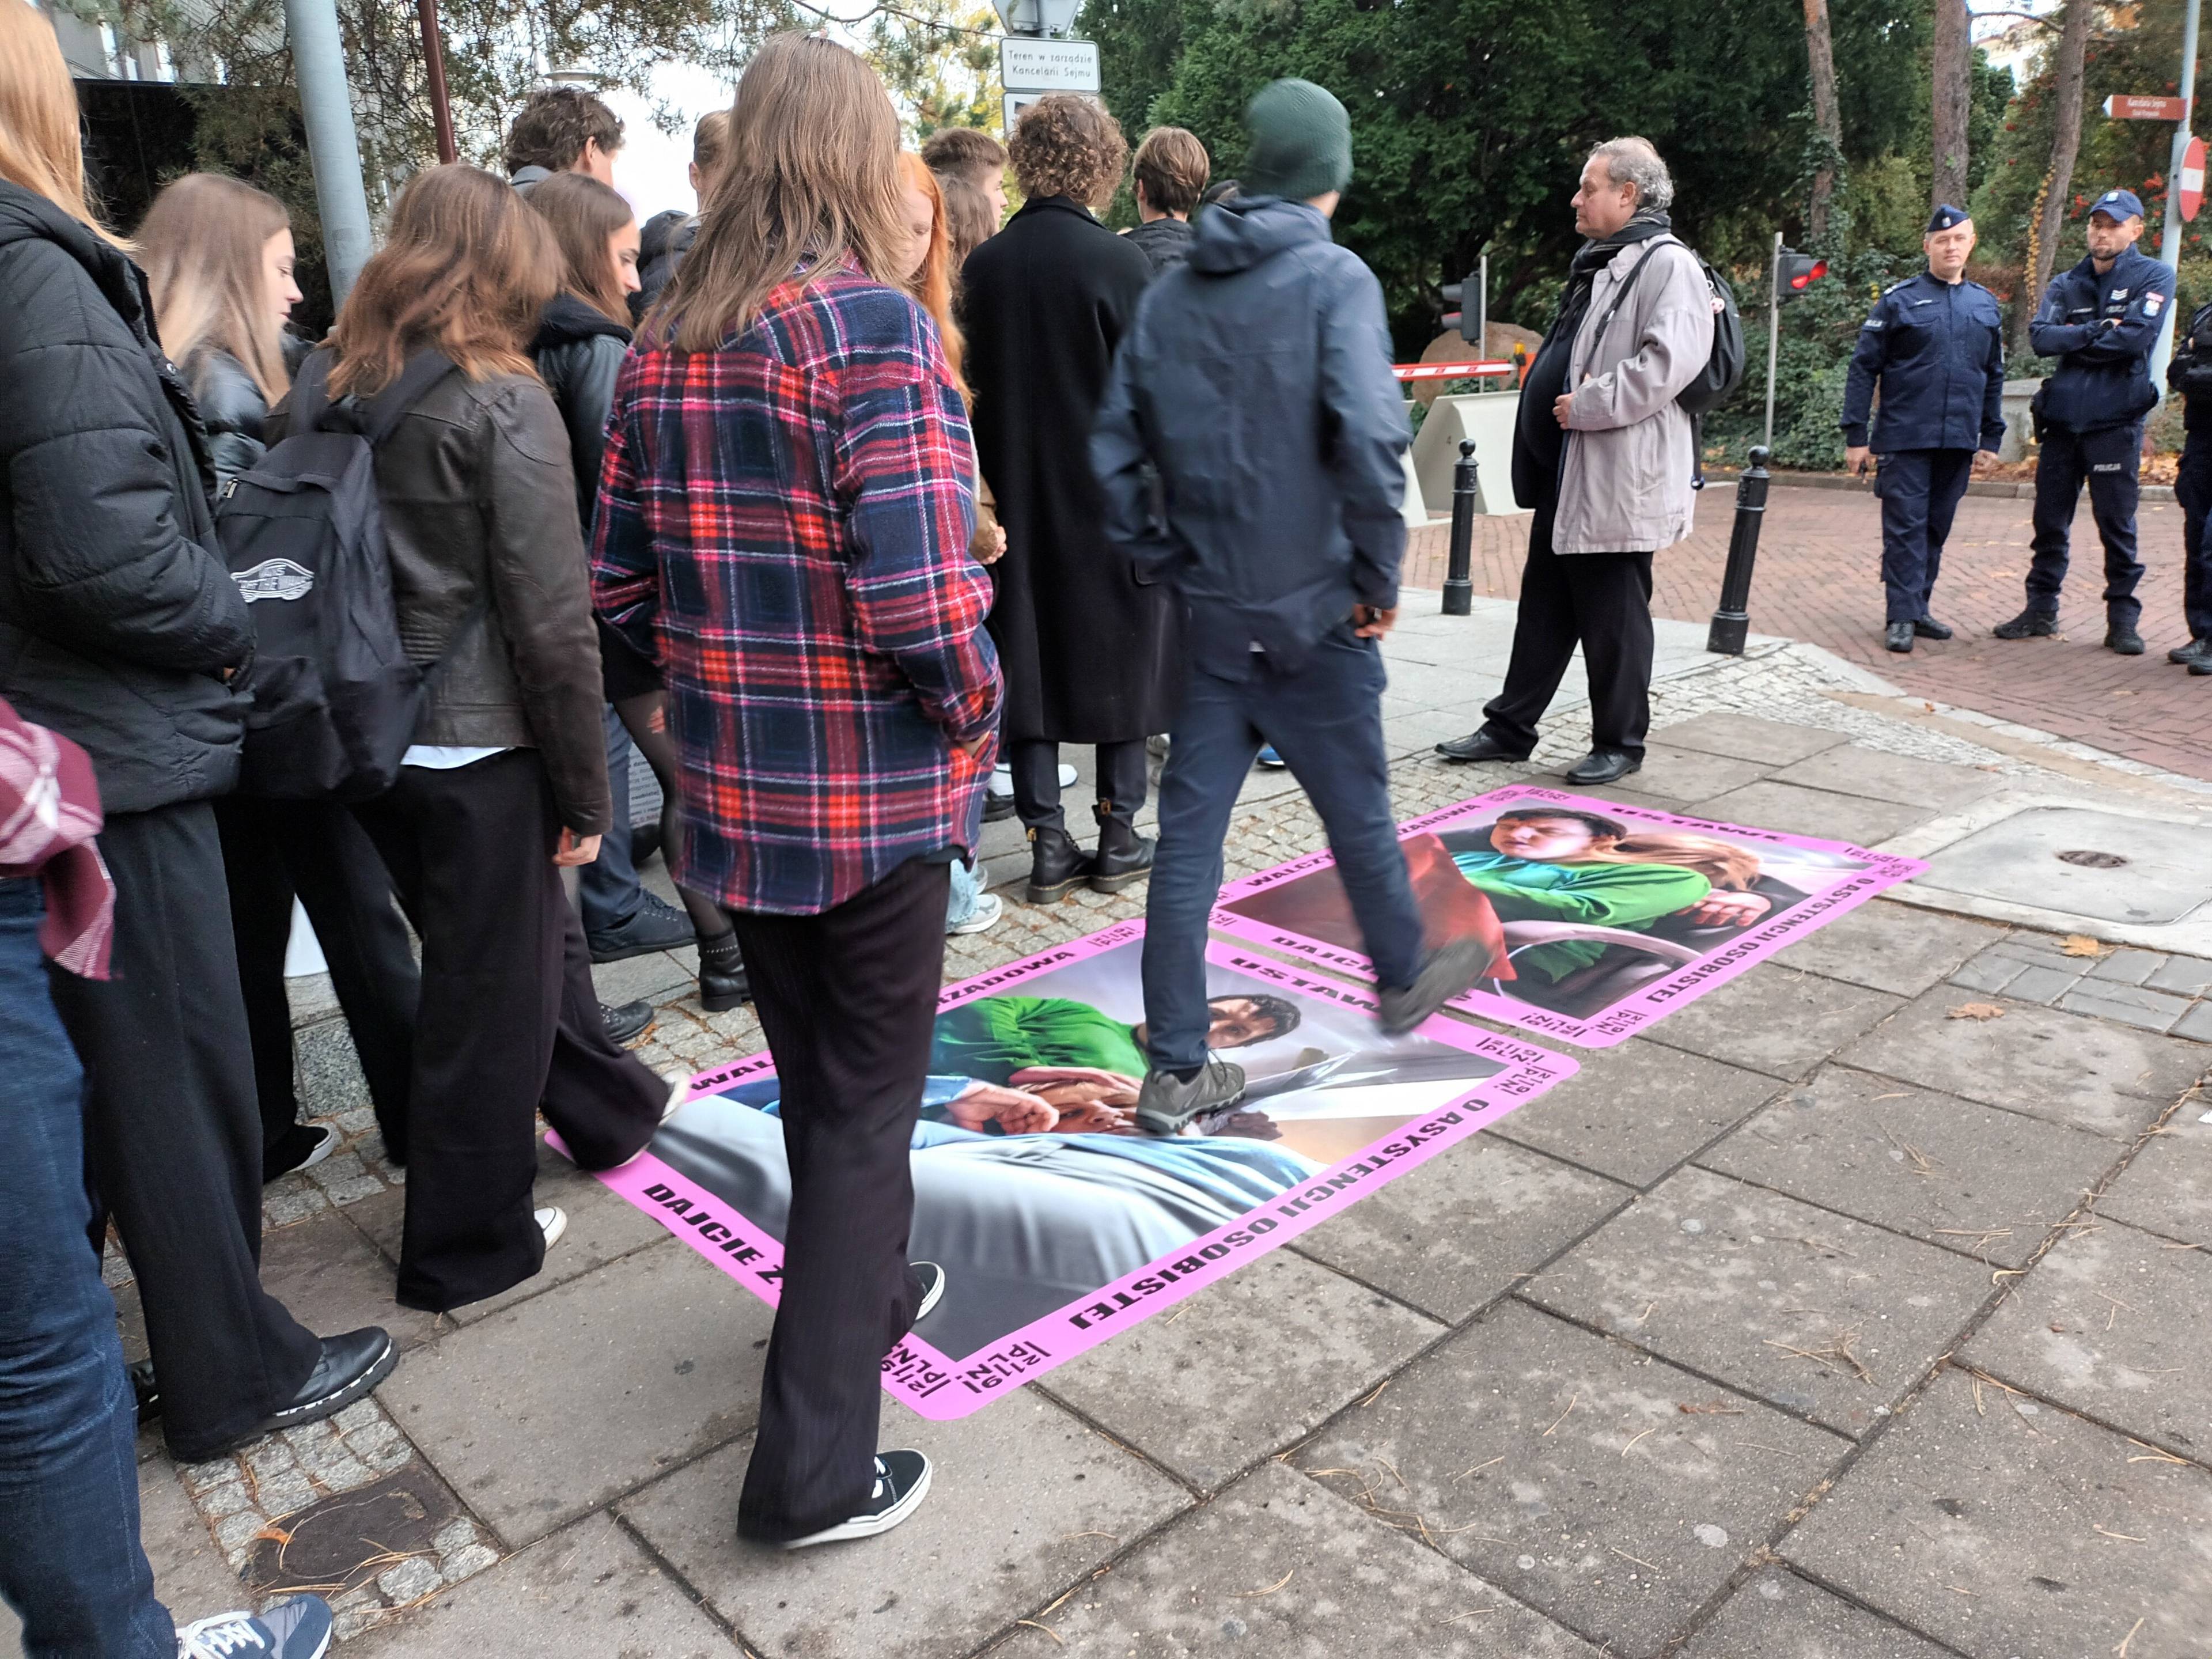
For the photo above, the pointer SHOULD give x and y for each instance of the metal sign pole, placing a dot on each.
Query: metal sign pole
(1774, 327)
(2169, 240)
(333, 150)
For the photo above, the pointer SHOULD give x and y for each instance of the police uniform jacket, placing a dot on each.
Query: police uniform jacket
(2190, 372)
(1938, 350)
(2101, 330)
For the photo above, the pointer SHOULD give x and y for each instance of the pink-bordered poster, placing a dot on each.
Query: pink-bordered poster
(1601, 918)
(1057, 1226)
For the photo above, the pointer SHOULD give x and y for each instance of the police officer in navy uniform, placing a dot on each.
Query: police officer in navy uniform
(2190, 374)
(2100, 320)
(1935, 342)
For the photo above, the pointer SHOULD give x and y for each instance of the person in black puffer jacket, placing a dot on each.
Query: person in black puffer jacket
(219, 264)
(579, 350)
(120, 628)
(2190, 374)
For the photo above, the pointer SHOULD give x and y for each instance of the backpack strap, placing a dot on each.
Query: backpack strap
(1621, 296)
(377, 416)
(311, 391)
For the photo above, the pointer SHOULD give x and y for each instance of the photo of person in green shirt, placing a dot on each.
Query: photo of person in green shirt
(1557, 864)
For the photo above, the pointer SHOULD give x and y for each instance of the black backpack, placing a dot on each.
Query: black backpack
(335, 699)
(1724, 365)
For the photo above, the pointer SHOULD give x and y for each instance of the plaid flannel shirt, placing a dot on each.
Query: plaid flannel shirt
(783, 524)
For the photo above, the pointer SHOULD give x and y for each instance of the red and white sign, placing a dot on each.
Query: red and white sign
(1448, 371)
(2191, 197)
(2141, 106)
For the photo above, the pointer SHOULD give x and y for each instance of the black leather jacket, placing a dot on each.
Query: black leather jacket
(580, 350)
(232, 407)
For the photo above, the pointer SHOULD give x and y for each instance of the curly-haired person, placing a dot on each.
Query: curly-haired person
(1089, 652)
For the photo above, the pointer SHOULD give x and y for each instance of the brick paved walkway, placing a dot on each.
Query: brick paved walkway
(1818, 580)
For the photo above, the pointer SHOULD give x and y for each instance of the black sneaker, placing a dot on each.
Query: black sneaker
(1166, 1104)
(902, 1482)
(627, 1023)
(300, 1147)
(655, 925)
(2122, 640)
(1446, 973)
(2195, 651)
(2029, 625)
(1928, 628)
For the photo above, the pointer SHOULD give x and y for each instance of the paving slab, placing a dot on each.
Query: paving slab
(2003, 1527)
(1774, 1020)
(1989, 1184)
(1851, 770)
(589, 1591)
(1635, 1112)
(1247, 1365)
(1688, 775)
(1279, 1567)
(2167, 1188)
(1023, 1501)
(1775, 1615)
(1898, 948)
(190, 1574)
(1463, 1228)
(544, 1412)
(1796, 811)
(1824, 1317)
(2065, 1068)
(2111, 1322)
(657, 976)
(324, 1264)
(1742, 737)
(1518, 1445)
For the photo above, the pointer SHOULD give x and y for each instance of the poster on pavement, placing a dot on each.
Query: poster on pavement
(1600, 918)
(1059, 1226)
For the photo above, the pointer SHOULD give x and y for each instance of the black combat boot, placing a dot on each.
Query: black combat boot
(1123, 857)
(1057, 866)
(722, 982)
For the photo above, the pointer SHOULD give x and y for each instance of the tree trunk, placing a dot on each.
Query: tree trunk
(1820, 51)
(1953, 84)
(2058, 182)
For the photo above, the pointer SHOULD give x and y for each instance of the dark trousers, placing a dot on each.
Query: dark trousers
(847, 999)
(173, 1131)
(1325, 719)
(2192, 488)
(1600, 601)
(2110, 461)
(1920, 491)
(272, 849)
(70, 1565)
(1123, 781)
(607, 890)
(509, 1025)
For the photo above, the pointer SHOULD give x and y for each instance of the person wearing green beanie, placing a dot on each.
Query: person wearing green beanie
(1301, 143)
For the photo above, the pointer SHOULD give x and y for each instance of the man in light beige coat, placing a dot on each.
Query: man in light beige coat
(1605, 457)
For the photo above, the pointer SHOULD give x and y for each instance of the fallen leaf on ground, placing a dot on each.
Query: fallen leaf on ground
(1976, 1010)
(2081, 944)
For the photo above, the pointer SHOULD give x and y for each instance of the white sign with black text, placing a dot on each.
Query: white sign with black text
(1027, 64)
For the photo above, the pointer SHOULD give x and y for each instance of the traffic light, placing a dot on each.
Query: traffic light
(1455, 295)
(1795, 272)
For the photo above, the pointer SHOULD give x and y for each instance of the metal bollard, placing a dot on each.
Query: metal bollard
(1459, 586)
(1732, 622)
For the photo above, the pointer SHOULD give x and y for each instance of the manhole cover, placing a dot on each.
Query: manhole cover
(2089, 859)
(2078, 863)
(341, 1541)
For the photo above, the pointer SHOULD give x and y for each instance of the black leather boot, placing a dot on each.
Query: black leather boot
(1057, 866)
(722, 982)
(1123, 856)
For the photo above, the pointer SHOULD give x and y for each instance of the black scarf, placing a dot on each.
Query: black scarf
(1593, 257)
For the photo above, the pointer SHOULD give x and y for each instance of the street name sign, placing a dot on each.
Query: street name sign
(2141, 106)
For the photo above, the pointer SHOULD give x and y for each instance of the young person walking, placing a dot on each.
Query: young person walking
(1287, 593)
(120, 628)
(219, 256)
(807, 580)
(508, 779)
(580, 343)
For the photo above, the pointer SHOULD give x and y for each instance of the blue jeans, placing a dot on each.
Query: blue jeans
(607, 891)
(1325, 719)
(70, 1561)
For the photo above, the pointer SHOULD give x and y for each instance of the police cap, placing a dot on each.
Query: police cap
(1945, 217)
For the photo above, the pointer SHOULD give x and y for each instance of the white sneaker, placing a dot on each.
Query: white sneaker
(932, 1287)
(989, 907)
(552, 1221)
(1066, 776)
(902, 1482)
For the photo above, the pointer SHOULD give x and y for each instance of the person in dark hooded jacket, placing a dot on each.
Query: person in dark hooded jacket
(1283, 477)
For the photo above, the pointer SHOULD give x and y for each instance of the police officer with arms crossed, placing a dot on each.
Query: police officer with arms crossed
(1936, 343)
(2190, 374)
(2100, 320)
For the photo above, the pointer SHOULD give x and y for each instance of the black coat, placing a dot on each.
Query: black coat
(232, 409)
(579, 351)
(116, 615)
(1089, 649)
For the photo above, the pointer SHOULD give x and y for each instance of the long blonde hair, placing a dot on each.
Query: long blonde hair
(931, 285)
(809, 178)
(466, 269)
(40, 145)
(201, 244)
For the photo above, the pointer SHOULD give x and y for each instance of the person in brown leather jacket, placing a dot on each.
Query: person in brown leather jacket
(508, 779)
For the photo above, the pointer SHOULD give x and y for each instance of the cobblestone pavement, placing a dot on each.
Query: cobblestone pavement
(1855, 1311)
(1819, 580)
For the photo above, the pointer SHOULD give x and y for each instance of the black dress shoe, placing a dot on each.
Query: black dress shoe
(655, 925)
(1476, 746)
(1057, 866)
(2195, 651)
(1604, 766)
(1898, 638)
(1123, 857)
(349, 1366)
(628, 1021)
(722, 980)
(145, 1390)
(1928, 628)
(2029, 625)
(2122, 640)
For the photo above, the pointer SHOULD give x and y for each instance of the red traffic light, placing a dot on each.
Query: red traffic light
(1793, 272)
(1812, 274)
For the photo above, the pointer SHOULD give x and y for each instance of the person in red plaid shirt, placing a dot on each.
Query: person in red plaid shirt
(783, 523)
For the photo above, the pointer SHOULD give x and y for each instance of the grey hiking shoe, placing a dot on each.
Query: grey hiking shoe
(1446, 973)
(1166, 1105)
